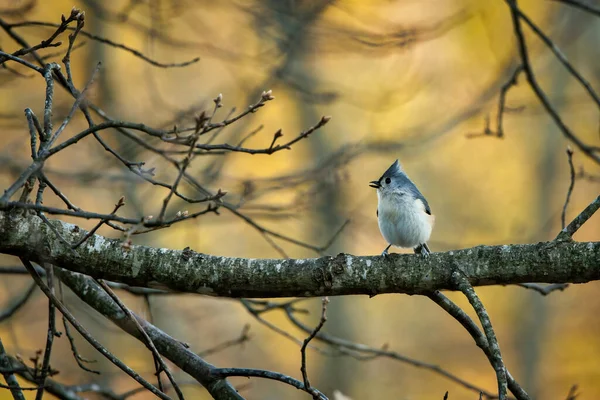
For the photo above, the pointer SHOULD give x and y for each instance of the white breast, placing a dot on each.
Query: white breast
(403, 221)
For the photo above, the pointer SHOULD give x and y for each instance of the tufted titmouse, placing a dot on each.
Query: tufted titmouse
(404, 217)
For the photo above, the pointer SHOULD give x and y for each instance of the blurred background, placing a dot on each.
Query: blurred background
(414, 80)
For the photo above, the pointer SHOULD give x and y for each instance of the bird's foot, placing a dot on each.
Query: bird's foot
(423, 250)
(385, 253)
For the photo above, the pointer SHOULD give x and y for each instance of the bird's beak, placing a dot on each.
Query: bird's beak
(375, 184)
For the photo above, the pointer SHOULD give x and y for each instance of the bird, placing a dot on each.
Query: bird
(404, 216)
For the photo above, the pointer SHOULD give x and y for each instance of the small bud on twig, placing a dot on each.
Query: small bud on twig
(276, 136)
(218, 100)
(268, 95)
(324, 119)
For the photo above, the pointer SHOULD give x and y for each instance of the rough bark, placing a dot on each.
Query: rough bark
(558, 261)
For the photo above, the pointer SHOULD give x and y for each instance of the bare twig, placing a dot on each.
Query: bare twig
(517, 15)
(89, 337)
(9, 377)
(561, 58)
(572, 395)
(119, 204)
(373, 352)
(147, 341)
(259, 373)
(45, 370)
(20, 302)
(582, 5)
(315, 394)
(465, 286)
(111, 43)
(78, 358)
(243, 338)
(502, 100)
(480, 339)
(568, 232)
(544, 290)
(570, 190)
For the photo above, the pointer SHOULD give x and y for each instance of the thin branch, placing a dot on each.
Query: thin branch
(56, 191)
(259, 373)
(561, 57)
(119, 204)
(568, 232)
(78, 358)
(582, 5)
(111, 43)
(384, 352)
(45, 370)
(496, 358)
(570, 190)
(9, 377)
(74, 108)
(243, 338)
(480, 339)
(89, 337)
(524, 54)
(49, 98)
(18, 304)
(312, 391)
(147, 341)
(544, 290)
(502, 100)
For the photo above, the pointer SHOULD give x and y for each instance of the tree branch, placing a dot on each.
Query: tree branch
(92, 294)
(188, 271)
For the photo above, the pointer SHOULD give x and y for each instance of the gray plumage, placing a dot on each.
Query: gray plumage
(403, 213)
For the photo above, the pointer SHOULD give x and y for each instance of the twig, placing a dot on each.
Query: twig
(523, 52)
(89, 337)
(480, 339)
(544, 290)
(259, 373)
(49, 98)
(119, 204)
(307, 387)
(56, 191)
(561, 58)
(45, 370)
(570, 190)
(502, 100)
(20, 302)
(383, 352)
(243, 338)
(465, 286)
(568, 232)
(9, 377)
(256, 314)
(78, 358)
(75, 106)
(584, 6)
(109, 42)
(572, 395)
(147, 341)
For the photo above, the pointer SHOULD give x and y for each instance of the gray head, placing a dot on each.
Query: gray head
(395, 181)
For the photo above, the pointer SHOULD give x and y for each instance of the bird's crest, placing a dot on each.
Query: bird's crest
(394, 170)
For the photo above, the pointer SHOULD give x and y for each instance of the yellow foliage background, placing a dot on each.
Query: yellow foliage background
(421, 74)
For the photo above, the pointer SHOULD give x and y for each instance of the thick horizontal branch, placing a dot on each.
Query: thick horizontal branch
(188, 271)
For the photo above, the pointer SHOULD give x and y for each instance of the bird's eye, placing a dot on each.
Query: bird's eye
(388, 180)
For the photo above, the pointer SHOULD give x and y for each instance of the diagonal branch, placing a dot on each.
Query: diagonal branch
(87, 335)
(496, 358)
